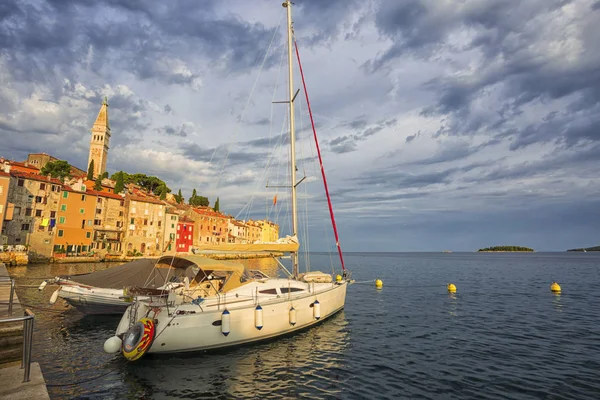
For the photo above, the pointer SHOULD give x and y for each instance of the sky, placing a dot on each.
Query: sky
(444, 125)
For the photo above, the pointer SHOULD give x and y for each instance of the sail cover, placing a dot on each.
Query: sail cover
(136, 273)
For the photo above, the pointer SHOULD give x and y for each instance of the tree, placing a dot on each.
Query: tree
(57, 169)
(216, 207)
(98, 184)
(179, 197)
(105, 175)
(119, 185)
(148, 183)
(90, 175)
(196, 200)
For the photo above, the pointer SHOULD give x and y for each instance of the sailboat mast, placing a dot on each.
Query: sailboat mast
(288, 5)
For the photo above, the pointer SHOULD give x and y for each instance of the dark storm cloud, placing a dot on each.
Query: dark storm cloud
(265, 142)
(172, 131)
(56, 37)
(509, 39)
(392, 178)
(218, 155)
(348, 143)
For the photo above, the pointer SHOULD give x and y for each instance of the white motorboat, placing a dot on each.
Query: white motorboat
(106, 291)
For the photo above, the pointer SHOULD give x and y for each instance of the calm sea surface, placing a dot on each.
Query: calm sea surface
(503, 335)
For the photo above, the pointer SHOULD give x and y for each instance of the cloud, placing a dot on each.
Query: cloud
(453, 123)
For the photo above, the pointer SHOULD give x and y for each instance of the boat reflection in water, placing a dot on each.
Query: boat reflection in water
(304, 364)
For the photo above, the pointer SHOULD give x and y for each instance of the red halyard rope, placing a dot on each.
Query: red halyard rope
(312, 122)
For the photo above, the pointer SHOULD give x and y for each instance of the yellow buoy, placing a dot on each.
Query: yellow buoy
(338, 278)
(451, 288)
(378, 283)
(555, 287)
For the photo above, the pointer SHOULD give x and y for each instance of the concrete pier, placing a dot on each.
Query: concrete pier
(11, 333)
(13, 388)
(11, 351)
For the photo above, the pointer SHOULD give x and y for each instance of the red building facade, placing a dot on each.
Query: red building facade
(185, 235)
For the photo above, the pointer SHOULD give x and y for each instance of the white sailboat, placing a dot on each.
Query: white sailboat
(226, 305)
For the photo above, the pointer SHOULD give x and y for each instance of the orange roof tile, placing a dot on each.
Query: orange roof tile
(34, 177)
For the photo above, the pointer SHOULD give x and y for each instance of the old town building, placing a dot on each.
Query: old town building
(33, 200)
(4, 187)
(211, 226)
(254, 231)
(269, 231)
(170, 234)
(109, 222)
(75, 221)
(185, 235)
(144, 224)
(238, 232)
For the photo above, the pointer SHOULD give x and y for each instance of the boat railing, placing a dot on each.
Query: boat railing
(28, 320)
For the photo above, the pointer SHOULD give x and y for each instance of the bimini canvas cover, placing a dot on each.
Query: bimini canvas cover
(139, 273)
(236, 272)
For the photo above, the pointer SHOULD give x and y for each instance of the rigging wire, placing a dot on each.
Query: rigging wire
(228, 150)
(248, 206)
(337, 240)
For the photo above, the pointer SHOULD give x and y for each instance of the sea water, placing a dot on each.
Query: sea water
(504, 334)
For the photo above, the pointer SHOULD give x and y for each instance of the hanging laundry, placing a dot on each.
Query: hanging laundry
(45, 222)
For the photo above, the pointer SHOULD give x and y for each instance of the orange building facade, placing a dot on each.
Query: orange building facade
(75, 222)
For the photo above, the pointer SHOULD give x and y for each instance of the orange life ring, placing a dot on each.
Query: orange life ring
(138, 339)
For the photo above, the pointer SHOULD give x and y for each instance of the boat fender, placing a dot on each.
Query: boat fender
(54, 296)
(112, 345)
(317, 309)
(138, 339)
(42, 286)
(292, 316)
(258, 317)
(226, 322)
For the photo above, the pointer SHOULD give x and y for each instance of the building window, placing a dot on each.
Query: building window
(159, 223)
(120, 213)
(145, 222)
(24, 227)
(38, 199)
(63, 207)
(60, 233)
(53, 214)
(173, 226)
(88, 235)
(65, 195)
(42, 186)
(38, 213)
(55, 188)
(98, 211)
(28, 212)
(20, 182)
(62, 220)
(178, 227)
(99, 199)
(97, 222)
(132, 221)
(90, 222)
(83, 197)
(82, 210)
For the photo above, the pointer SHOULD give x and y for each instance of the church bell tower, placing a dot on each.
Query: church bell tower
(100, 140)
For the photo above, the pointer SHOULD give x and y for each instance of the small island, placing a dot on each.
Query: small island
(595, 248)
(506, 248)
